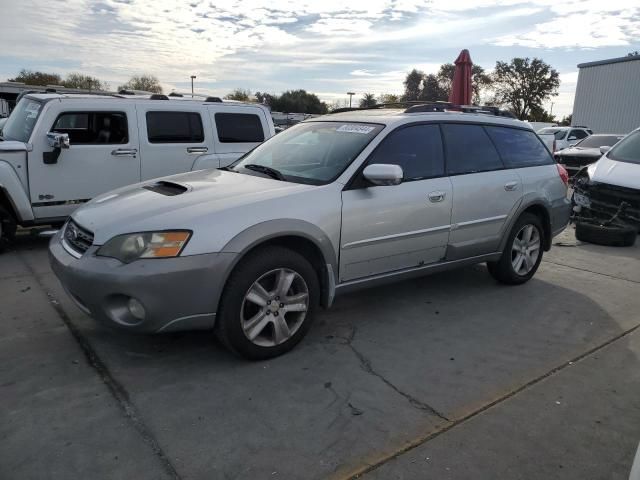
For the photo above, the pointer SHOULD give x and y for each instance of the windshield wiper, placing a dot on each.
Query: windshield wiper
(272, 172)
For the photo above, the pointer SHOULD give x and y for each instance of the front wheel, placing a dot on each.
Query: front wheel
(523, 253)
(7, 229)
(268, 303)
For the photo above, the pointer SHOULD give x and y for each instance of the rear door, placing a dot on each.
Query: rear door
(103, 154)
(173, 135)
(485, 192)
(391, 228)
(237, 129)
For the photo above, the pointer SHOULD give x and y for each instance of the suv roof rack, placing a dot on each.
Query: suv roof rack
(417, 106)
(158, 96)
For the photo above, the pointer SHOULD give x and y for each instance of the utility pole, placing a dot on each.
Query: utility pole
(351, 94)
(192, 78)
(551, 111)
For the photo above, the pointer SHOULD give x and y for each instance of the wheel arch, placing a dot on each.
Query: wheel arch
(539, 208)
(300, 236)
(12, 194)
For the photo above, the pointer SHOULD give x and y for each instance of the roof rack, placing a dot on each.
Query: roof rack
(158, 96)
(418, 106)
(204, 97)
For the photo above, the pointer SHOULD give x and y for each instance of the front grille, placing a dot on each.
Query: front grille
(606, 199)
(78, 239)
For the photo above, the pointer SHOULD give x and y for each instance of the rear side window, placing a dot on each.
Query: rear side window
(93, 128)
(469, 149)
(519, 148)
(417, 149)
(577, 135)
(239, 128)
(174, 127)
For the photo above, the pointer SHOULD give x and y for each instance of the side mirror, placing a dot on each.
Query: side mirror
(58, 140)
(604, 149)
(383, 174)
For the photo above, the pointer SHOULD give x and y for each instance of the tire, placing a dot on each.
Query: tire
(613, 235)
(504, 270)
(253, 302)
(7, 229)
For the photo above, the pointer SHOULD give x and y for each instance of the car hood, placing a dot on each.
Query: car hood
(580, 152)
(176, 201)
(622, 174)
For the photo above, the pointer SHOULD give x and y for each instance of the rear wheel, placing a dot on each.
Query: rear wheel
(7, 228)
(523, 253)
(268, 303)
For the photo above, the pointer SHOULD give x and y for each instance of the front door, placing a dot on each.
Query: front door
(103, 155)
(390, 228)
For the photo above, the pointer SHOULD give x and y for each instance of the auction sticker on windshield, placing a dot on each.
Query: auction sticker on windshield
(351, 128)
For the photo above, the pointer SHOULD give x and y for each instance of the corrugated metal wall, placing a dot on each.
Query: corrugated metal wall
(608, 97)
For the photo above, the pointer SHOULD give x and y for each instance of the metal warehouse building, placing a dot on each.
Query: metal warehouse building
(608, 95)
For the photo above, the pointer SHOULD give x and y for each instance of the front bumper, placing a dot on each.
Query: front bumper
(177, 293)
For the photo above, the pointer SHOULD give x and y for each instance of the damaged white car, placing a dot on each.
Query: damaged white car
(606, 198)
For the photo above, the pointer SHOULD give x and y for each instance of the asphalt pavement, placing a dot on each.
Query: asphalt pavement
(450, 376)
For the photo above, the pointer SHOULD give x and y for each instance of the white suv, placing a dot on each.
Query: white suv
(564, 137)
(61, 150)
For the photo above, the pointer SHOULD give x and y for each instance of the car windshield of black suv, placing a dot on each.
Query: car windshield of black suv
(312, 152)
(596, 141)
(628, 150)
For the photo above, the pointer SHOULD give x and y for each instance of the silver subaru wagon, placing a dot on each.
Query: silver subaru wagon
(342, 202)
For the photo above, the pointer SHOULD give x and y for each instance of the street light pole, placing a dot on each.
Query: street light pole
(192, 78)
(551, 112)
(351, 94)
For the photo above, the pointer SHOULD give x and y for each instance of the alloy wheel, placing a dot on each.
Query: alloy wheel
(525, 249)
(274, 307)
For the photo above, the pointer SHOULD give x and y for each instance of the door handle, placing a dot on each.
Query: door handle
(436, 197)
(195, 150)
(124, 152)
(511, 186)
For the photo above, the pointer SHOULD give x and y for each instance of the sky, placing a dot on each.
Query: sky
(327, 47)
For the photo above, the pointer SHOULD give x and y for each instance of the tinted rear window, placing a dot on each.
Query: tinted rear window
(519, 148)
(239, 128)
(174, 127)
(469, 149)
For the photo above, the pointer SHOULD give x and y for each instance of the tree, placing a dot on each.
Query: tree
(566, 121)
(30, 77)
(539, 114)
(147, 83)
(388, 98)
(479, 80)
(240, 95)
(368, 100)
(412, 85)
(524, 84)
(297, 101)
(264, 98)
(432, 91)
(85, 82)
(635, 53)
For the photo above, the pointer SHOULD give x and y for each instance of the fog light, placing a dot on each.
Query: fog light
(136, 309)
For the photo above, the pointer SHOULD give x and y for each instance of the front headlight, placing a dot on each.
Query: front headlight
(134, 246)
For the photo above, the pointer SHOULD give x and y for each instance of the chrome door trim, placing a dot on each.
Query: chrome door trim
(455, 226)
(395, 236)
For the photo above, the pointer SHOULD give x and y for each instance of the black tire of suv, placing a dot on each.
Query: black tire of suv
(7, 229)
(612, 235)
(502, 270)
(228, 324)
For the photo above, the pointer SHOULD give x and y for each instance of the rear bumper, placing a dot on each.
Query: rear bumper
(177, 293)
(560, 216)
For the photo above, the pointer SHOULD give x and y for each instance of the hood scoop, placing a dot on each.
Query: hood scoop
(168, 189)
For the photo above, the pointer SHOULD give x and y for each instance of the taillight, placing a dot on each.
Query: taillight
(564, 175)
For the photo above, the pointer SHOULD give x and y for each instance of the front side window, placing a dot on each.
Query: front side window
(519, 148)
(628, 149)
(174, 127)
(417, 149)
(239, 128)
(310, 152)
(469, 149)
(91, 128)
(20, 123)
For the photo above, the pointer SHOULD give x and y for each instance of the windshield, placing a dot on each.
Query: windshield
(557, 132)
(596, 141)
(22, 120)
(310, 152)
(628, 149)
